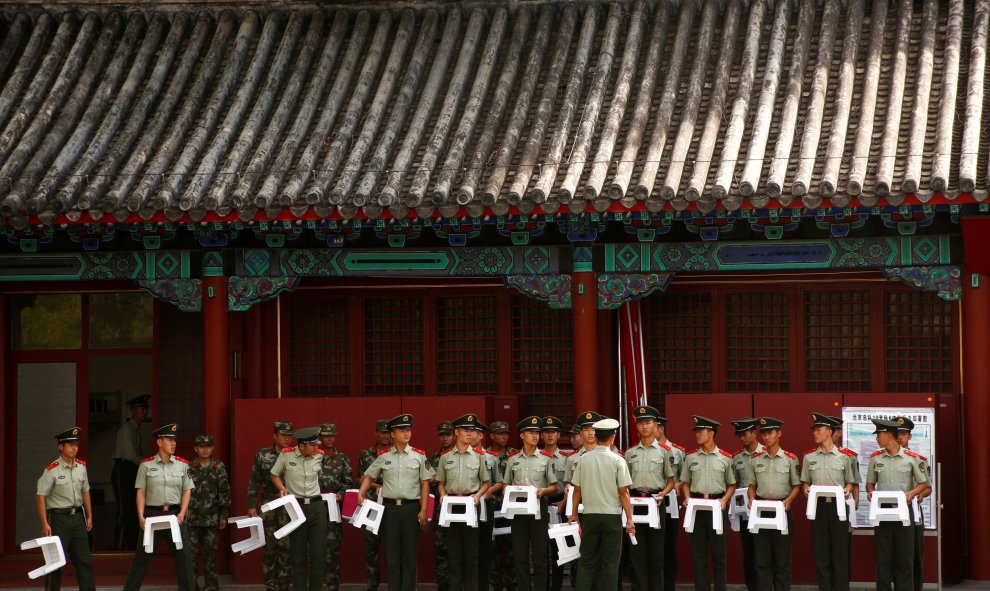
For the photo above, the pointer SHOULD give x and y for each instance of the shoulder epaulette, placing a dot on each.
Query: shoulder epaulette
(735, 453)
(53, 465)
(848, 452)
(725, 453)
(512, 453)
(384, 451)
(789, 454)
(691, 452)
(321, 452)
(417, 450)
(491, 452)
(680, 447)
(546, 453)
(810, 451)
(910, 453)
(920, 457)
(83, 463)
(183, 460)
(876, 453)
(568, 454)
(478, 450)
(148, 459)
(759, 453)
(664, 445)
(620, 452)
(288, 449)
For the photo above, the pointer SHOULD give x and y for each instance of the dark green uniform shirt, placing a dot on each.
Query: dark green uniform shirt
(210, 500)
(261, 477)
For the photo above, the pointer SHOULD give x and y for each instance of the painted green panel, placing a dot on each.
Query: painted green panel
(395, 261)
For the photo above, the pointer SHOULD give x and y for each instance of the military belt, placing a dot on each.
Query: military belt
(308, 500)
(163, 508)
(708, 496)
(398, 502)
(66, 511)
(645, 492)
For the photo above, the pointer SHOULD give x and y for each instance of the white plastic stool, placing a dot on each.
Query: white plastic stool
(818, 490)
(369, 516)
(51, 550)
(350, 503)
(552, 517)
(483, 510)
(448, 515)
(169, 522)
(645, 511)
(256, 534)
(500, 531)
(673, 507)
(568, 539)
(738, 508)
(758, 520)
(851, 512)
(695, 505)
(520, 500)
(569, 505)
(333, 509)
(879, 513)
(919, 519)
(296, 516)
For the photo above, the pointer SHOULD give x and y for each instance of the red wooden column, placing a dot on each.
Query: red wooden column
(216, 357)
(584, 308)
(976, 416)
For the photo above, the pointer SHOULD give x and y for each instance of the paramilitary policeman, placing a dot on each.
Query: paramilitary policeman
(209, 507)
(584, 422)
(275, 559)
(550, 437)
(904, 428)
(164, 487)
(894, 468)
(130, 448)
(336, 477)
(372, 542)
(462, 471)
(297, 472)
(651, 467)
(827, 465)
(707, 474)
(747, 431)
(445, 435)
(857, 476)
(405, 493)
(601, 482)
(65, 510)
(772, 474)
(671, 532)
(531, 467)
(486, 527)
(502, 579)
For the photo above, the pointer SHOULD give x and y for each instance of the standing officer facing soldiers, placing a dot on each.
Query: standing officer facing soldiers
(531, 467)
(405, 493)
(445, 433)
(275, 561)
(826, 465)
(372, 543)
(297, 472)
(584, 422)
(129, 451)
(746, 430)
(904, 428)
(550, 436)
(462, 471)
(651, 468)
(209, 507)
(335, 476)
(707, 474)
(670, 529)
(894, 468)
(65, 510)
(601, 481)
(164, 488)
(773, 475)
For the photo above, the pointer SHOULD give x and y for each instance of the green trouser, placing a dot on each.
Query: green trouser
(671, 531)
(702, 538)
(830, 542)
(203, 540)
(372, 567)
(335, 535)
(462, 556)
(275, 556)
(309, 540)
(502, 578)
(895, 555)
(485, 546)
(182, 557)
(530, 540)
(919, 556)
(773, 558)
(601, 545)
(441, 561)
(401, 534)
(749, 554)
(647, 558)
(71, 530)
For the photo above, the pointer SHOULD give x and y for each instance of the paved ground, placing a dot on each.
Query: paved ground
(226, 585)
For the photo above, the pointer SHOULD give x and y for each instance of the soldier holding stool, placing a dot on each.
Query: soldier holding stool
(275, 560)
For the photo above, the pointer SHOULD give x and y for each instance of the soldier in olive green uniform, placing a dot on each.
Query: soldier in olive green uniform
(894, 468)
(485, 527)
(297, 472)
(857, 477)
(772, 474)
(651, 467)
(904, 428)
(405, 494)
(209, 507)
(275, 560)
(707, 474)
(601, 483)
(130, 448)
(827, 465)
(671, 531)
(335, 477)
(531, 467)
(445, 433)
(746, 430)
(462, 471)
(164, 488)
(550, 436)
(503, 579)
(65, 510)
(583, 422)
(372, 543)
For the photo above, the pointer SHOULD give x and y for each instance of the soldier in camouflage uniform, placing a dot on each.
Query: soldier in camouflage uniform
(275, 562)
(372, 543)
(209, 507)
(502, 579)
(445, 433)
(335, 476)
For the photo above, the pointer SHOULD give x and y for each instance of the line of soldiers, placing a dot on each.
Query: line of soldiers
(603, 478)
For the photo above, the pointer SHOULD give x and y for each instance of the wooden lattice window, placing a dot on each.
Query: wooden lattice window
(318, 346)
(542, 356)
(393, 346)
(680, 343)
(919, 342)
(837, 341)
(180, 369)
(467, 345)
(757, 342)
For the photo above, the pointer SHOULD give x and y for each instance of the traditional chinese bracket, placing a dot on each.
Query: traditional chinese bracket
(187, 294)
(615, 290)
(555, 290)
(941, 279)
(244, 292)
